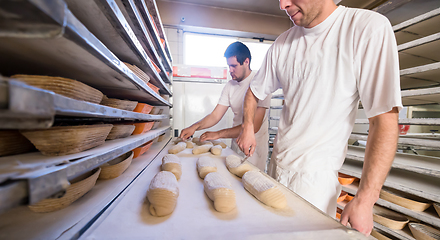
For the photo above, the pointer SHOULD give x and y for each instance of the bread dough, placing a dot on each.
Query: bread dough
(205, 165)
(264, 189)
(219, 142)
(233, 163)
(216, 150)
(177, 148)
(219, 189)
(171, 163)
(162, 194)
(202, 149)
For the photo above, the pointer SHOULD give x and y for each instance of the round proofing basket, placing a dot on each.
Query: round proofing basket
(141, 150)
(63, 86)
(116, 166)
(120, 131)
(143, 108)
(345, 179)
(404, 199)
(389, 218)
(342, 196)
(424, 232)
(81, 186)
(437, 208)
(119, 104)
(12, 142)
(65, 140)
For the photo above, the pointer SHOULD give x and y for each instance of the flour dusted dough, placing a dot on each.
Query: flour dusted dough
(189, 144)
(216, 150)
(219, 189)
(205, 165)
(202, 149)
(162, 194)
(233, 163)
(263, 189)
(178, 148)
(219, 142)
(171, 163)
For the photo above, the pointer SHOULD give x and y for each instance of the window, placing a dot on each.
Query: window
(207, 50)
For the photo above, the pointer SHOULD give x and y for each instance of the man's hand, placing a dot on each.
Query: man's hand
(187, 132)
(246, 141)
(359, 214)
(209, 136)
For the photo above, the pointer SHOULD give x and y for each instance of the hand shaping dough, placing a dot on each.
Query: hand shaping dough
(205, 165)
(219, 190)
(233, 163)
(178, 148)
(263, 189)
(202, 149)
(216, 150)
(219, 142)
(171, 163)
(162, 194)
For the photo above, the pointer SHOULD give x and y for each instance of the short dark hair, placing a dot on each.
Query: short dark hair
(238, 50)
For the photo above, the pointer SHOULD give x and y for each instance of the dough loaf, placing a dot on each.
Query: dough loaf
(171, 163)
(219, 142)
(177, 148)
(216, 150)
(264, 189)
(162, 194)
(205, 165)
(220, 191)
(233, 163)
(202, 149)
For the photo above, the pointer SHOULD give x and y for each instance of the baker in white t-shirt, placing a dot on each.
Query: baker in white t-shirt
(238, 58)
(332, 58)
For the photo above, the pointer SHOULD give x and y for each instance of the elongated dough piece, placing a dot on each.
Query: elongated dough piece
(216, 150)
(205, 165)
(162, 194)
(171, 163)
(263, 189)
(189, 144)
(196, 140)
(233, 163)
(177, 148)
(201, 149)
(219, 142)
(219, 189)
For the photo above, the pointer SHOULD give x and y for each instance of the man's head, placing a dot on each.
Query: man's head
(238, 58)
(307, 13)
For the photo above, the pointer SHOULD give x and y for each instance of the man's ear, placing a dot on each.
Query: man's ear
(246, 61)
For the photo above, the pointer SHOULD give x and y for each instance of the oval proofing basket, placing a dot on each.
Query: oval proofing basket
(116, 167)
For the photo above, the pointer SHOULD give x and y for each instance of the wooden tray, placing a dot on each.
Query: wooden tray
(437, 208)
(404, 199)
(138, 72)
(79, 187)
(119, 104)
(65, 140)
(424, 232)
(12, 142)
(120, 131)
(141, 150)
(389, 218)
(345, 179)
(63, 86)
(143, 108)
(116, 167)
(142, 127)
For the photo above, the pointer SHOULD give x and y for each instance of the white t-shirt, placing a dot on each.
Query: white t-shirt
(323, 72)
(233, 96)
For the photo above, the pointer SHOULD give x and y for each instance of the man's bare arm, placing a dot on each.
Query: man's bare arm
(379, 155)
(246, 140)
(207, 122)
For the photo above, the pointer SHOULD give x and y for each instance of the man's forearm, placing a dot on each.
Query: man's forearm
(379, 154)
(250, 106)
(233, 132)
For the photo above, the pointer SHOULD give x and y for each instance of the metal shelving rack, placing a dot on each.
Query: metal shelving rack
(87, 41)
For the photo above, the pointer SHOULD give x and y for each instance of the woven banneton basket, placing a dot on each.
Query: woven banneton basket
(116, 167)
(404, 199)
(12, 142)
(424, 232)
(120, 131)
(143, 108)
(119, 104)
(141, 150)
(63, 86)
(142, 127)
(65, 140)
(139, 73)
(77, 189)
(379, 236)
(437, 208)
(389, 218)
(161, 138)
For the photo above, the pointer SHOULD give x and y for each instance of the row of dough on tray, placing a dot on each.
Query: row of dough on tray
(215, 146)
(163, 190)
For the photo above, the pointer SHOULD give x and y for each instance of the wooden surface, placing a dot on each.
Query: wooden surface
(195, 217)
